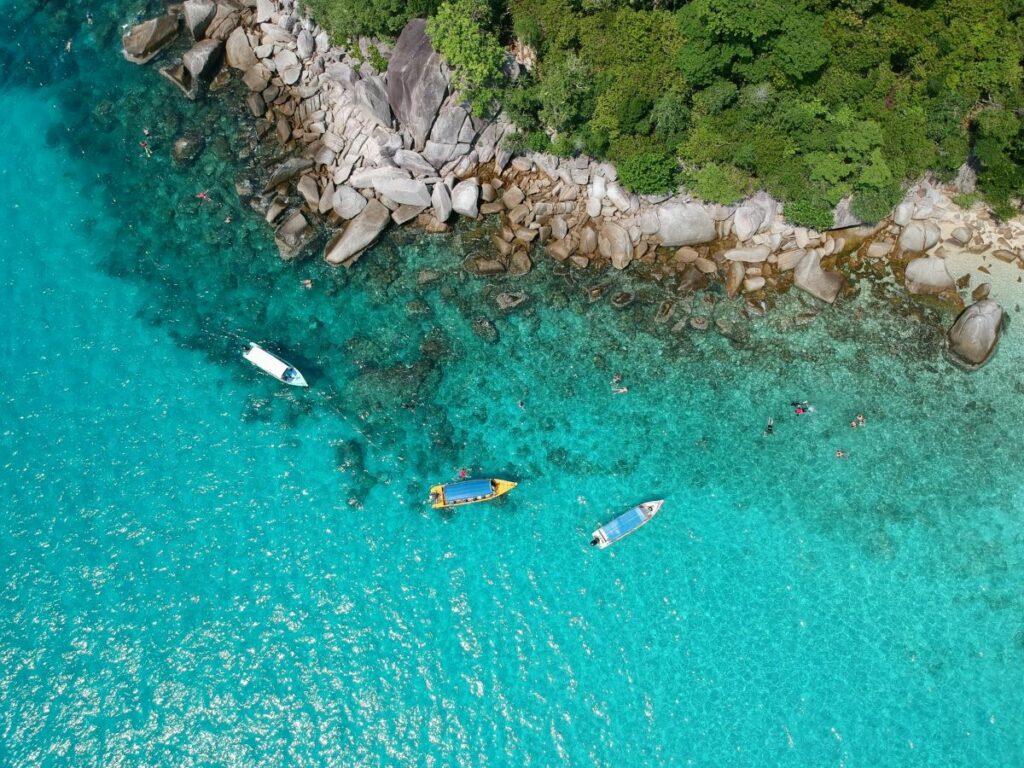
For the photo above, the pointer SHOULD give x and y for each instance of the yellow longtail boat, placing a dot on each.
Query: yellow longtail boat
(468, 492)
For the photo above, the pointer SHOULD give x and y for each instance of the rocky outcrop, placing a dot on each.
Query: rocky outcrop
(974, 335)
(347, 246)
(928, 275)
(417, 82)
(144, 41)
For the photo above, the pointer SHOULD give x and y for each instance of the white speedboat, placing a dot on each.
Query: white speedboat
(274, 365)
(625, 524)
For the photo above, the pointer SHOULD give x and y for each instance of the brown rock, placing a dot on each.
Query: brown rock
(734, 278)
(981, 292)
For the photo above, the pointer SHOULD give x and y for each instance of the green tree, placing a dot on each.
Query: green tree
(462, 32)
(649, 173)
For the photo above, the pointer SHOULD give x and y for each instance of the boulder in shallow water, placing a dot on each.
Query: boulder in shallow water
(146, 40)
(510, 300)
(198, 15)
(187, 148)
(928, 275)
(293, 235)
(919, 236)
(203, 60)
(347, 246)
(417, 81)
(614, 243)
(811, 278)
(974, 335)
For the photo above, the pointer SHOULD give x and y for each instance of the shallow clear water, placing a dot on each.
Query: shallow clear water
(198, 567)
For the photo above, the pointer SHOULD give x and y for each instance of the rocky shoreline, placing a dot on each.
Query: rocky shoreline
(371, 149)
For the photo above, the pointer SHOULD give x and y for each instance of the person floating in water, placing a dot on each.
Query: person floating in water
(857, 422)
(307, 283)
(521, 404)
(463, 474)
(203, 196)
(146, 148)
(620, 390)
(616, 379)
(802, 407)
(840, 454)
(770, 426)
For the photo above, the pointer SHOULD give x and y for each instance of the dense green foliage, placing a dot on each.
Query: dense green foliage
(351, 18)
(813, 100)
(462, 33)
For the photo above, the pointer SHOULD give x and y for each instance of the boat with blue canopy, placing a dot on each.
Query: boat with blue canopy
(625, 524)
(468, 492)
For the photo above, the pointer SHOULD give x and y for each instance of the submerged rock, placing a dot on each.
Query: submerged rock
(974, 335)
(485, 329)
(187, 148)
(146, 40)
(510, 300)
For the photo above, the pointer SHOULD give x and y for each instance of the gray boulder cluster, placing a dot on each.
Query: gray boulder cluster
(374, 148)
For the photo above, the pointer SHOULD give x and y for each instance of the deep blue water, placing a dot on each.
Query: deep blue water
(198, 567)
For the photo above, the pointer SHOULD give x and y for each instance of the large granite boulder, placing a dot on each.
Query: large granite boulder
(465, 197)
(414, 163)
(417, 81)
(144, 41)
(747, 221)
(974, 335)
(347, 246)
(919, 236)
(198, 15)
(684, 224)
(202, 61)
(238, 52)
(613, 242)
(441, 201)
(810, 277)
(403, 191)
(347, 202)
(305, 44)
(448, 126)
(371, 97)
(928, 275)
(288, 67)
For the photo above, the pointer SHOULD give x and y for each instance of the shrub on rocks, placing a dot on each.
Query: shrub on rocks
(649, 173)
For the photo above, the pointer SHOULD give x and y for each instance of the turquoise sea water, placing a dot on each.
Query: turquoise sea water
(198, 567)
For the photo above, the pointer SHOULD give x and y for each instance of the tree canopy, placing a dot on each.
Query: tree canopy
(813, 100)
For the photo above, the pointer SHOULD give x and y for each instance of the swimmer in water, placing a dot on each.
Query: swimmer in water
(770, 426)
(840, 454)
